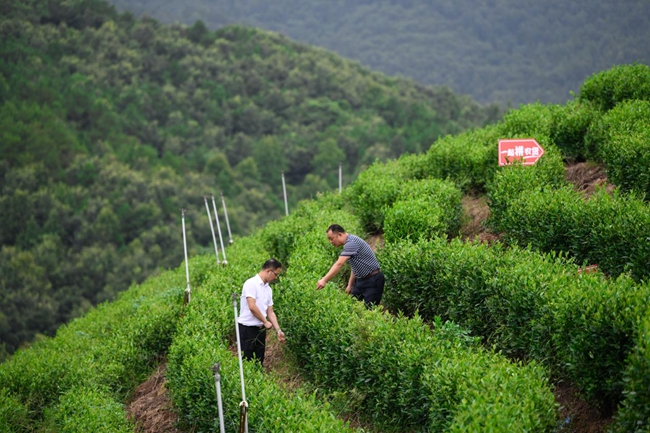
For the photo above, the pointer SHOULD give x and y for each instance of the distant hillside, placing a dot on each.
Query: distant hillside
(109, 125)
(502, 51)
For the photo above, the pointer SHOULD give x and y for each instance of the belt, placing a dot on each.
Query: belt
(375, 272)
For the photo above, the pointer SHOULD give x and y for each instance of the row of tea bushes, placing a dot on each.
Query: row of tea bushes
(377, 188)
(621, 139)
(634, 413)
(607, 229)
(426, 209)
(583, 326)
(203, 339)
(102, 356)
(396, 372)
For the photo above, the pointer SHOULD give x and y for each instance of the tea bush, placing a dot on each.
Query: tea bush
(468, 159)
(620, 83)
(424, 209)
(582, 326)
(90, 409)
(515, 181)
(113, 347)
(621, 141)
(14, 416)
(377, 188)
(570, 125)
(604, 229)
(634, 413)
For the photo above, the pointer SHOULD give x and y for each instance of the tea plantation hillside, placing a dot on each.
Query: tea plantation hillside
(471, 337)
(110, 124)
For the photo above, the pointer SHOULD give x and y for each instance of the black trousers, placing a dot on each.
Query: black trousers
(252, 342)
(370, 290)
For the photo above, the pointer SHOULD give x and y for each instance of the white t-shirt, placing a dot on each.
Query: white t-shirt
(257, 289)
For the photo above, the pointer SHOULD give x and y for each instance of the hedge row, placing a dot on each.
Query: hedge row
(398, 373)
(203, 340)
(377, 188)
(608, 229)
(618, 84)
(634, 413)
(583, 326)
(101, 356)
(621, 139)
(424, 209)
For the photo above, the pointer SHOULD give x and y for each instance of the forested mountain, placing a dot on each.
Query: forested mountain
(502, 51)
(109, 125)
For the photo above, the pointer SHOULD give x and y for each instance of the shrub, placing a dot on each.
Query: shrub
(377, 188)
(83, 409)
(621, 83)
(634, 413)
(517, 180)
(569, 127)
(468, 159)
(424, 209)
(622, 141)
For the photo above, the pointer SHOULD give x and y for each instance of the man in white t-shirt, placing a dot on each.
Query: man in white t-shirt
(256, 313)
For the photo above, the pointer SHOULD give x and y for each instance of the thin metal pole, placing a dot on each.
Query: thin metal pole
(225, 212)
(214, 239)
(340, 178)
(217, 384)
(243, 406)
(216, 216)
(284, 189)
(187, 268)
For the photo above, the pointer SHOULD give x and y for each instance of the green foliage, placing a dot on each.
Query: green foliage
(621, 83)
(605, 229)
(13, 415)
(424, 209)
(377, 188)
(110, 124)
(82, 409)
(582, 326)
(633, 415)
(478, 48)
(620, 140)
(514, 181)
(401, 374)
(569, 127)
(467, 159)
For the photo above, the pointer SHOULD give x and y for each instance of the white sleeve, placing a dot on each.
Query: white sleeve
(249, 290)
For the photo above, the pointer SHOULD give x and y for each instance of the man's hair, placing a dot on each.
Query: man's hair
(271, 264)
(335, 228)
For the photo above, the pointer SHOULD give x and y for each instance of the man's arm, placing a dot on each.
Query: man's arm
(274, 321)
(348, 289)
(336, 267)
(252, 305)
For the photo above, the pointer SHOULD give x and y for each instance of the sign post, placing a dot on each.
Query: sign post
(525, 150)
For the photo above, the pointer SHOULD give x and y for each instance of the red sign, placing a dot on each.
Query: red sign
(526, 150)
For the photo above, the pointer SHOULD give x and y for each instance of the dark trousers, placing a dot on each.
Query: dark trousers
(252, 342)
(370, 290)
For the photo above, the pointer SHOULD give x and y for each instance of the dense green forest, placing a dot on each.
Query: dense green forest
(109, 125)
(496, 51)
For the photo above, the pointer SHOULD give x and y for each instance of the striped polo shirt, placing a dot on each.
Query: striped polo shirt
(362, 260)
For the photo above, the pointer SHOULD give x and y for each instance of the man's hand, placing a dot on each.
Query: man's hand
(321, 283)
(268, 325)
(348, 289)
(281, 337)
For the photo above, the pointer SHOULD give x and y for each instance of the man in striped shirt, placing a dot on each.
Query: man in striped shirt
(366, 281)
